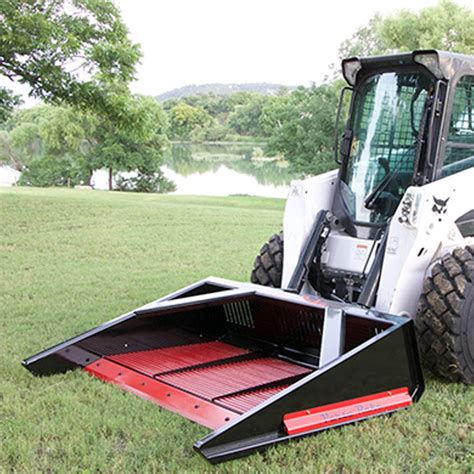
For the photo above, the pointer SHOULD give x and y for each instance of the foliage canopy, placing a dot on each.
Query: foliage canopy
(67, 51)
(446, 26)
(56, 145)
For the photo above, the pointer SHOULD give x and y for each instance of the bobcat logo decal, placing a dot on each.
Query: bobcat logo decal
(440, 206)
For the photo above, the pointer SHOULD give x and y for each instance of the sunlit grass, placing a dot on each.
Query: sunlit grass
(71, 259)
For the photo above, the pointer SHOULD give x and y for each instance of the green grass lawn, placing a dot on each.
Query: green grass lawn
(71, 259)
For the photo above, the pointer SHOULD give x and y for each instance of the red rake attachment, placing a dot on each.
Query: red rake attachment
(257, 365)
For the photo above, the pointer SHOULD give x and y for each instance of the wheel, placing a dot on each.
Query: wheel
(445, 317)
(268, 266)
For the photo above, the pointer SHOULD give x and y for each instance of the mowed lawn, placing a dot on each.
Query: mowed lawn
(71, 259)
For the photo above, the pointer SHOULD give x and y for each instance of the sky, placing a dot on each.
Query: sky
(289, 42)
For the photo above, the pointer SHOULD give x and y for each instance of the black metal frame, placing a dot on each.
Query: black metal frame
(385, 360)
(311, 250)
(369, 290)
(336, 127)
(377, 365)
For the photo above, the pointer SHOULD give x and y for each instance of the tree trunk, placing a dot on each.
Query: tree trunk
(111, 187)
(89, 178)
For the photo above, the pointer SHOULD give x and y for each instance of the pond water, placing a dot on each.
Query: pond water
(226, 169)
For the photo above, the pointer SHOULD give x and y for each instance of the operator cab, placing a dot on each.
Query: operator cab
(388, 126)
(384, 146)
(391, 142)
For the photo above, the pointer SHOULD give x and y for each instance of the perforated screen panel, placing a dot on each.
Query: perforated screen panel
(391, 111)
(393, 134)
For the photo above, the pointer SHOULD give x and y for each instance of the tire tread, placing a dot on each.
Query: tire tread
(440, 316)
(268, 266)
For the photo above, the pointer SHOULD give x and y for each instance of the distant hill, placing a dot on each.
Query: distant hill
(222, 89)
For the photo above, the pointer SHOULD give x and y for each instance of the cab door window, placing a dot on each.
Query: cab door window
(459, 154)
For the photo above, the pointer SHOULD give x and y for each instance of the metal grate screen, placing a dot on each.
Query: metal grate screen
(394, 135)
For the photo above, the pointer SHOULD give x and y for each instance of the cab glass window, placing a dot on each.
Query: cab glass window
(459, 154)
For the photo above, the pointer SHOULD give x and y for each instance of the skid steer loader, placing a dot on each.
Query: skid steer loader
(325, 334)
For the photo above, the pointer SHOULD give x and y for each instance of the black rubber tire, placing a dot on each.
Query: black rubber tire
(268, 266)
(445, 317)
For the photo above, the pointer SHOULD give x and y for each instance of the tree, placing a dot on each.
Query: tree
(8, 102)
(64, 146)
(25, 141)
(185, 119)
(276, 111)
(7, 154)
(245, 119)
(141, 150)
(446, 26)
(303, 127)
(47, 141)
(67, 51)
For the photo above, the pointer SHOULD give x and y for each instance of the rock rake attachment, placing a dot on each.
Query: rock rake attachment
(257, 365)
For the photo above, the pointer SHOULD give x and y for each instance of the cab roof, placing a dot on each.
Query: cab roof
(443, 64)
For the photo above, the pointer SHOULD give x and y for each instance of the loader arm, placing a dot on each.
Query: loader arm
(305, 199)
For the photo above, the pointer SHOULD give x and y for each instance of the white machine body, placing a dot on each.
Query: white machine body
(306, 198)
(420, 233)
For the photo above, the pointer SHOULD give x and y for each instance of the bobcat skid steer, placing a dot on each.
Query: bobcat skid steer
(325, 334)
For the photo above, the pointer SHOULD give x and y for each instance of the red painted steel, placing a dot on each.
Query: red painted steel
(187, 405)
(348, 410)
(217, 381)
(158, 361)
(246, 401)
